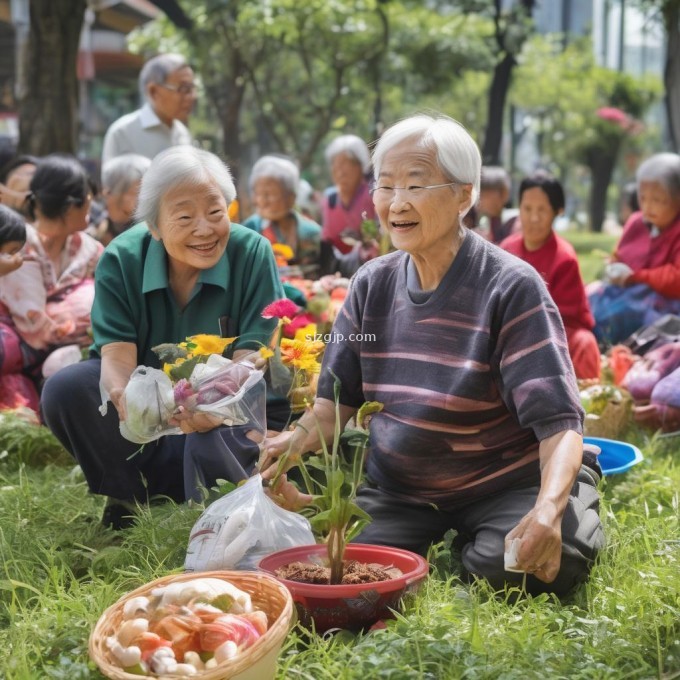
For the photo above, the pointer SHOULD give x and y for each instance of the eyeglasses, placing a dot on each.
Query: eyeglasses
(183, 90)
(411, 192)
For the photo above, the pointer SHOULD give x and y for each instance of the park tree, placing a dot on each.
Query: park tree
(580, 112)
(281, 70)
(439, 58)
(511, 28)
(48, 83)
(668, 12)
(283, 75)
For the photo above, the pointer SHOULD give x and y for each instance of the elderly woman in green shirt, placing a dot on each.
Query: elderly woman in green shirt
(190, 272)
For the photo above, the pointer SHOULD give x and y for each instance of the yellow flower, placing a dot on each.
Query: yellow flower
(306, 332)
(301, 354)
(168, 367)
(265, 352)
(207, 344)
(283, 251)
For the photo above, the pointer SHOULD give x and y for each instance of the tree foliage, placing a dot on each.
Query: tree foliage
(563, 89)
(283, 75)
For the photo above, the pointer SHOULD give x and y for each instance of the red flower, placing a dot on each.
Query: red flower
(280, 309)
(613, 115)
(298, 322)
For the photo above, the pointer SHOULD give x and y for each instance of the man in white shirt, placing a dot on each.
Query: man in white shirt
(167, 83)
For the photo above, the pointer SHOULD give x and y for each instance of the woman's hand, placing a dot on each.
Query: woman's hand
(287, 495)
(540, 530)
(540, 548)
(274, 447)
(9, 263)
(193, 421)
(116, 395)
(119, 359)
(618, 273)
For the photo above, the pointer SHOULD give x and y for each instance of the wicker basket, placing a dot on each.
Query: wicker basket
(612, 422)
(255, 663)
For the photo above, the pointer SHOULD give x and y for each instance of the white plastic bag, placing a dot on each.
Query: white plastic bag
(239, 529)
(231, 391)
(149, 405)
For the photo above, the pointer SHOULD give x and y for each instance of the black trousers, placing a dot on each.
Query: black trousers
(174, 466)
(483, 525)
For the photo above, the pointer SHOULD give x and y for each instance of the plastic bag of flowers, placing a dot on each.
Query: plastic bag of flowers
(237, 530)
(195, 377)
(220, 625)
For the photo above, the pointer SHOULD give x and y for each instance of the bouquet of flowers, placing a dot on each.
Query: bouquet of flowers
(293, 362)
(195, 377)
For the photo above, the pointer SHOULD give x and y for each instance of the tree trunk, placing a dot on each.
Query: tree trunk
(48, 89)
(502, 75)
(231, 116)
(601, 171)
(672, 73)
(491, 152)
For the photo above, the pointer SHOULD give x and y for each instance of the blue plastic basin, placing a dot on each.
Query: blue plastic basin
(615, 456)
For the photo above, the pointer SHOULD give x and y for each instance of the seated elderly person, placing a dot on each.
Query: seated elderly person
(187, 271)
(15, 180)
(273, 185)
(494, 193)
(643, 278)
(462, 344)
(347, 208)
(121, 177)
(541, 200)
(45, 304)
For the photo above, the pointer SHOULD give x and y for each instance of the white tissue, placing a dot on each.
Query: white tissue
(511, 557)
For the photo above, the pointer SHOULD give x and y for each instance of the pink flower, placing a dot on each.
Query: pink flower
(298, 322)
(618, 117)
(280, 309)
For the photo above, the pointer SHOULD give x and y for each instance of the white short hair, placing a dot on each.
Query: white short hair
(121, 172)
(457, 153)
(157, 70)
(180, 166)
(278, 168)
(351, 146)
(662, 168)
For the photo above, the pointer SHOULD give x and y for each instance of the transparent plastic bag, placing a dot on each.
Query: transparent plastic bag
(239, 529)
(231, 391)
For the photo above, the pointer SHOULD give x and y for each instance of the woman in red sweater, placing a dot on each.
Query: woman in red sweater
(643, 279)
(541, 200)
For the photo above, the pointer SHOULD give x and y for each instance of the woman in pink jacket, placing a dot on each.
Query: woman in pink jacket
(643, 278)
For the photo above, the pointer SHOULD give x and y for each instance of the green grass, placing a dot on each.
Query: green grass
(60, 571)
(592, 250)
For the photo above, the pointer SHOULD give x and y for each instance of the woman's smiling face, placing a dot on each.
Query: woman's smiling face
(419, 222)
(194, 226)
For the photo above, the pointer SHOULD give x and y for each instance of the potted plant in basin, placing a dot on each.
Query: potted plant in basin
(338, 584)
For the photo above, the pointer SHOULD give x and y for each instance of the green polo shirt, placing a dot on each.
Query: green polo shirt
(133, 301)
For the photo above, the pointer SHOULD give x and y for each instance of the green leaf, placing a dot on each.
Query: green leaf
(368, 409)
(168, 352)
(185, 369)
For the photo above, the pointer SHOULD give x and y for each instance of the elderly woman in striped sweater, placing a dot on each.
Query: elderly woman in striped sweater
(462, 343)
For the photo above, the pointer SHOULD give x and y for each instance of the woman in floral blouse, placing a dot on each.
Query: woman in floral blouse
(46, 303)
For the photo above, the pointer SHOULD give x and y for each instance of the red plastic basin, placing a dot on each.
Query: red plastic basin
(352, 606)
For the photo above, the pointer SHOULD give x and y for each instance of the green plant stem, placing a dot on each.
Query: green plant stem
(336, 552)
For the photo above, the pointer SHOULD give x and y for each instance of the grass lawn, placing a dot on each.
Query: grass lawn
(592, 250)
(60, 570)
